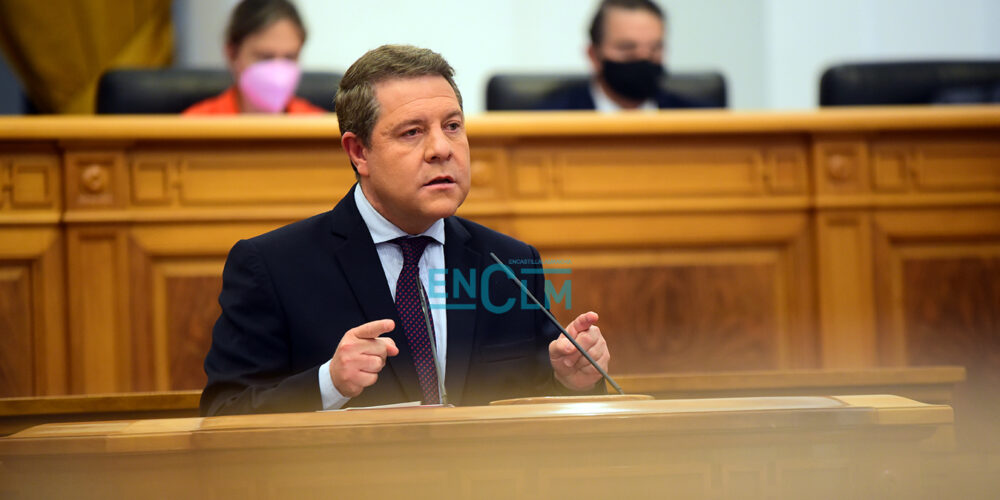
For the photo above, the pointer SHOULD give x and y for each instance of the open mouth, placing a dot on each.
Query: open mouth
(443, 179)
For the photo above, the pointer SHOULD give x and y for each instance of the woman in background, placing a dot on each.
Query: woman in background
(263, 41)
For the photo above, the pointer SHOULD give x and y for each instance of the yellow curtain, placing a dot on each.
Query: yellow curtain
(60, 48)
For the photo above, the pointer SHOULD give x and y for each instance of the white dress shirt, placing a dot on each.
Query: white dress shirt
(383, 232)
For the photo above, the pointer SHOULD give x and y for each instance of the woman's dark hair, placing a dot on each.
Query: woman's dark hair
(251, 16)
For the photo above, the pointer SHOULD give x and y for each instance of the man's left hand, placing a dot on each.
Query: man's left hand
(571, 368)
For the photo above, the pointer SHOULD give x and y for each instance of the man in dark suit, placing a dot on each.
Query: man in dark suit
(323, 313)
(626, 54)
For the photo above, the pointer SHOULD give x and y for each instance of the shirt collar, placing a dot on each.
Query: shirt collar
(382, 230)
(604, 104)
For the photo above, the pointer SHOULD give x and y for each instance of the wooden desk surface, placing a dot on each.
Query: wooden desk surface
(511, 124)
(929, 384)
(559, 450)
(342, 426)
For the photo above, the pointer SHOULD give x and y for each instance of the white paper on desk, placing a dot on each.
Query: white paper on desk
(394, 405)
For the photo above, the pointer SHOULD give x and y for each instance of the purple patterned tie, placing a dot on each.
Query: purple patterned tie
(414, 326)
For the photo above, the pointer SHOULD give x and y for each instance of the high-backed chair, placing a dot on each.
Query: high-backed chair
(917, 82)
(172, 90)
(524, 91)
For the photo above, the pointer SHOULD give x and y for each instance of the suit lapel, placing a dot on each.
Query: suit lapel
(361, 265)
(459, 257)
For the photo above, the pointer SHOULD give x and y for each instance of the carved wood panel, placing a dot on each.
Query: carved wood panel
(673, 310)
(190, 296)
(100, 335)
(17, 370)
(176, 274)
(32, 328)
(950, 310)
(939, 303)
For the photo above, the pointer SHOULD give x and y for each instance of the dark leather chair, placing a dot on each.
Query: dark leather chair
(918, 82)
(512, 91)
(172, 90)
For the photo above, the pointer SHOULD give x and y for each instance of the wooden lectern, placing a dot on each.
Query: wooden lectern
(772, 447)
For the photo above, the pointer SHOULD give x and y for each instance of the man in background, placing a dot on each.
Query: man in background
(626, 54)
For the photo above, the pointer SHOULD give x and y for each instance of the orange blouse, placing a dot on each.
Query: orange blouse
(227, 103)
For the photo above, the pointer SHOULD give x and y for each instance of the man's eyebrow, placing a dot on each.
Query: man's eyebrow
(453, 114)
(407, 123)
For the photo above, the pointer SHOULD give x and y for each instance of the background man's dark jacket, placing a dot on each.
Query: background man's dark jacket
(578, 97)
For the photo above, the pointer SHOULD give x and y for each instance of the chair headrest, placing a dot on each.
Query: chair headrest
(523, 91)
(172, 90)
(913, 82)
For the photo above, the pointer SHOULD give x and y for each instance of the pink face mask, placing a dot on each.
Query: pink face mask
(270, 84)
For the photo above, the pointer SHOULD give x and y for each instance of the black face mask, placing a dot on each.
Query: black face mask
(638, 80)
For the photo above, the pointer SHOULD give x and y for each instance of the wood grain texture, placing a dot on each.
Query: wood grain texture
(691, 448)
(17, 367)
(846, 295)
(192, 308)
(951, 309)
(680, 318)
(100, 339)
(770, 239)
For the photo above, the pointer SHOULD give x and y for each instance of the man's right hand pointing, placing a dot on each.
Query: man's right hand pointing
(360, 357)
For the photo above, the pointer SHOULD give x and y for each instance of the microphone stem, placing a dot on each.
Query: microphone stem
(510, 274)
(442, 394)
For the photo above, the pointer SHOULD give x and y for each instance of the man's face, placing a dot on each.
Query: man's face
(417, 168)
(281, 39)
(629, 35)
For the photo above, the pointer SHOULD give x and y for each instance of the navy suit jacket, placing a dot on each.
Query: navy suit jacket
(289, 295)
(578, 97)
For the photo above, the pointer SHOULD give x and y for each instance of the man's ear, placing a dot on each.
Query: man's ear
(595, 62)
(356, 152)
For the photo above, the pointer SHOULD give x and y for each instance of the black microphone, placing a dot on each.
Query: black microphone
(510, 274)
(442, 394)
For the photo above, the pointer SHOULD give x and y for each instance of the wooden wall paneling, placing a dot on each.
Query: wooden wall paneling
(940, 303)
(33, 293)
(50, 317)
(891, 343)
(802, 189)
(597, 172)
(95, 177)
(186, 306)
(489, 173)
(154, 179)
(666, 167)
(6, 185)
(176, 278)
(671, 303)
(17, 367)
(841, 164)
(142, 319)
(33, 181)
(967, 162)
(100, 331)
(32, 300)
(799, 312)
(946, 168)
(256, 174)
(692, 310)
(531, 173)
(846, 290)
